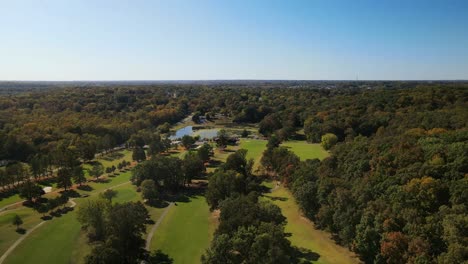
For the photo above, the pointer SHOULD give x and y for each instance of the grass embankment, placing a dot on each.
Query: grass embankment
(306, 150)
(186, 231)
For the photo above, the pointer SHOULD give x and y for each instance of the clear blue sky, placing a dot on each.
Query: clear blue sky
(197, 39)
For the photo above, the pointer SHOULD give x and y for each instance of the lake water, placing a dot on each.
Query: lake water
(188, 130)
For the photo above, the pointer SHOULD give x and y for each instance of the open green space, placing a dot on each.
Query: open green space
(60, 240)
(306, 150)
(10, 200)
(7, 229)
(186, 231)
(255, 148)
(305, 235)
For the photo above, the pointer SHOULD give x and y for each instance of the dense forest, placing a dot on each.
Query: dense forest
(394, 189)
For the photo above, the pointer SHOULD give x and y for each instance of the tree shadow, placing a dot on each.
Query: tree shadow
(70, 193)
(46, 217)
(100, 180)
(276, 198)
(305, 254)
(160, 258)
(229, 150)
(20, 230)
(213, 164)
(85, 188)
(158, 204)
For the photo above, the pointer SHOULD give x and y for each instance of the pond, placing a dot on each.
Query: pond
(188, 130)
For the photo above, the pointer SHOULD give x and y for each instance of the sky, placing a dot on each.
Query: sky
(67, 40)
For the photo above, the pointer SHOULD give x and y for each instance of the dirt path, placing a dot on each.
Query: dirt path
(155, 227)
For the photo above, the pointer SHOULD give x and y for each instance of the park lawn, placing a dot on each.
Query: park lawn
(122, 178)
(53, 242)
(10, 200)
(125, 193)
(60, 240)
(306, 150)
(255, 148)
(305, 235)
(108, 161)
(7, 229)
(186, 231)
(125, 155)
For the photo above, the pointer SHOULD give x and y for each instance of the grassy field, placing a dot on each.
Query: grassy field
(186, 231)
(255, 149)
(60, 240)
(303, 233)
(306, 150)
(10, 200)
(7, 229)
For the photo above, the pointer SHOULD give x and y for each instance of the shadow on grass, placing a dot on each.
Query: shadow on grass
(160, 258)
(158, 204)
(85, 188)
(276, 198)
(306, 254)
(20, 230)
(46, 217)
(70, 193)
(213, 164)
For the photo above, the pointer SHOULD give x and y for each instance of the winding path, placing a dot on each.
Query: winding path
(11, 205)
(155, 227)
(73, 204)
(17, 242)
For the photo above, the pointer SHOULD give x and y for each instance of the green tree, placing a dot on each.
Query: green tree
(222, 138)
(149, 190)
(273, 142)
(193, 166)
(92, 215)
(329, 140)
(109, 194)
(64, 178)
(29, 190)
(17, 221)
(187, 141)
(238, 162)
(205, 152)
(78, 175)
(97, 170)
(138, 154)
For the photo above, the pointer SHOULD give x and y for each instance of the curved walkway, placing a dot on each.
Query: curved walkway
(73, 204)
(17, 242)
(11, 205)
(155, 227)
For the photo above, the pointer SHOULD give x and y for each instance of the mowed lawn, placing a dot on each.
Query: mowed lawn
(303, 232)
(60, 240)
(305, 235)
(305, 150)
(10, 200)
(255, 148)
(186, 231)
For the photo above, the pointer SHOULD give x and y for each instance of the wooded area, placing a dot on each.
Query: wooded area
(394, 189)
